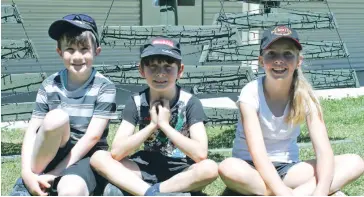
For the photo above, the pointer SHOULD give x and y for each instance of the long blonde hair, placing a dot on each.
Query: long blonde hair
(302, 98)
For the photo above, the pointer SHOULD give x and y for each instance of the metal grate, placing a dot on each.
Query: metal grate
(10, 14)
(17, 83)
(259, 19)
(18, 49)
(129, 36)
(250, 52)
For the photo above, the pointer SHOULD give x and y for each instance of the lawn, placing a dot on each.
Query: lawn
(344, 120)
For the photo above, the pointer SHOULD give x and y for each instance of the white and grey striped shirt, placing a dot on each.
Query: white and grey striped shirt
(95, 98)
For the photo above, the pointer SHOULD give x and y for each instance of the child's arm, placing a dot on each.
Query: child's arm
(125, 142)
(28, 144)
(104, 110)
(324, 153)
(31, 180)
(194, 147)
(257, 149)
(84, 145)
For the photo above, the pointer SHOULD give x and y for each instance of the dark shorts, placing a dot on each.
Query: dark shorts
(282, 168)
(95, 182)
(156, 168)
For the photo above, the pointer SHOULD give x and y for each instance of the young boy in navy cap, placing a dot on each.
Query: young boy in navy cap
(71, 115)
(171, 126)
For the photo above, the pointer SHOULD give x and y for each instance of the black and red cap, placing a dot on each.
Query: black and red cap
(162, 46)
(277, 32)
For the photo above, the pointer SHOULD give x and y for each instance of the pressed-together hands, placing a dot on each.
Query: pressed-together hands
(38, 184)
(160, 113)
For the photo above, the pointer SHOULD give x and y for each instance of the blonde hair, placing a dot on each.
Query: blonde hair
(302, 98)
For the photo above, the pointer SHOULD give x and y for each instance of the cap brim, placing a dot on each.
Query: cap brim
(57, 28)
(160, 51)
(298, 44)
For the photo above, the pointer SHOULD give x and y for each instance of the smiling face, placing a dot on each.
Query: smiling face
(161, 76)
(78, 55)
(281, 59)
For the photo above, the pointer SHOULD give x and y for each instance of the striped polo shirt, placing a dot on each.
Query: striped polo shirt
(95, 98)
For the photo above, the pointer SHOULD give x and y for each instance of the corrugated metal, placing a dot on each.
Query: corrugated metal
(39, 14)
(212, 7)
(349, 16)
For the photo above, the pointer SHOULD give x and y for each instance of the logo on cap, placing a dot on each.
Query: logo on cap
(167, 51)
(80, 22)
(165, 42)
(281, 31)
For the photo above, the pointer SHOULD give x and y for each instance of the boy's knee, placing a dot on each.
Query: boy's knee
(207, 170)
(99, 157)
(55, 119)
(226, 166)
(72, 185)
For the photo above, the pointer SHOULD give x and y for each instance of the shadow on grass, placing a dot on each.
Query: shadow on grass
(10, 148)
(229, 192)
(222, 140)
(217, 157)
(200, 193)
(306, 138)
(225, 138)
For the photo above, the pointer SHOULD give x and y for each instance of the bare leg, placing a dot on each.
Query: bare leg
(301, 177)
(240, 177)
(124, 174)
(53, 134)
(194, 178)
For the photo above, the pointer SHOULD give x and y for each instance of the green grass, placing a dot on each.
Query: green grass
(344, 120)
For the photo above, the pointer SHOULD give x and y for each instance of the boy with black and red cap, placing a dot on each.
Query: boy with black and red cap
(71, 116)
(171, 126)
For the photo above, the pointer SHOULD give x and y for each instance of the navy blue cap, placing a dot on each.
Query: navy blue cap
(275, 33)
(81, 21)
(162, 46)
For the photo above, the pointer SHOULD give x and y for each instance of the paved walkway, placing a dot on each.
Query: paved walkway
(227, 103)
